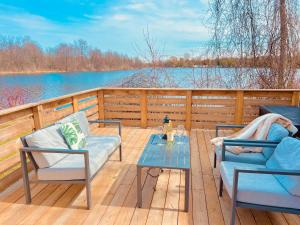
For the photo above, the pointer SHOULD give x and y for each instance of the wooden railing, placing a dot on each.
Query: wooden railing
(201, 108)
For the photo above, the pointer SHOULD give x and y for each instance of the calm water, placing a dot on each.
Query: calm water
(21, 89)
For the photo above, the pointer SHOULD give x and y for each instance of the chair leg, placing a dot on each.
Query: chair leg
(215, 160)
(221, 187)
(120, 152)
(25, 177)
(88, 180)
(88, 194)
(232, 220)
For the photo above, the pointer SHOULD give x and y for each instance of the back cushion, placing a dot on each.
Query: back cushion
(287, 157)
(83, 122)
(49, 137)
(276, 133)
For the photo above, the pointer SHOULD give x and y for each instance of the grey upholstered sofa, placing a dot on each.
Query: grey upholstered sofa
(274, 186)
(54, 162)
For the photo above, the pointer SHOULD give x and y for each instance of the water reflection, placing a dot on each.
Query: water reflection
(21, 89)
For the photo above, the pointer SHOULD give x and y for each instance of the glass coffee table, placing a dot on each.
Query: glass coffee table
(160, 155)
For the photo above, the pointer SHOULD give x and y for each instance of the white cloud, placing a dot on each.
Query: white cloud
(120, 17)
(172, 23)
(137, 6)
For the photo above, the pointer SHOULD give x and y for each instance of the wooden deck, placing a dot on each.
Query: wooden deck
(114, 194)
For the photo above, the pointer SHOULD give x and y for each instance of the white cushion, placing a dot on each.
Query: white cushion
(83, 121)
(49, 137)
(109, 143)
(261, 189)
(72, 166)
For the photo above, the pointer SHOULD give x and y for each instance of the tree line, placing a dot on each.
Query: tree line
(21, 54)
(220, 62)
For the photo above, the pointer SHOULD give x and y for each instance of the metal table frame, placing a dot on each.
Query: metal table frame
(139, 180)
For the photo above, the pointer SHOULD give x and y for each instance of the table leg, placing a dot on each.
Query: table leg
(139, 186)
(187, 190)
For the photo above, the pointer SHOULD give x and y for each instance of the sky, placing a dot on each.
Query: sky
(176, 26)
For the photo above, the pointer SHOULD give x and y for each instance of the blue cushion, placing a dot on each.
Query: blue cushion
(248, 157)
(287, 157)
(276, 133)
(262, 189)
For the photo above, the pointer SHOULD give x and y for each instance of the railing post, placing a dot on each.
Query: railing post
(295, 98)
(101, 116)
(188, 110)
(144, 109)
(38, 116)
(239, 107)
(75, 103)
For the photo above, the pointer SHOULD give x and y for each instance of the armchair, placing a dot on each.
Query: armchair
(264, 187)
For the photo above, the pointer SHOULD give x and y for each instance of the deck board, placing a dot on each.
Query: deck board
(114, 193)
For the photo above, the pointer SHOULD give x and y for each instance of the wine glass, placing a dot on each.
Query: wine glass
(180, 131)
(160, 135)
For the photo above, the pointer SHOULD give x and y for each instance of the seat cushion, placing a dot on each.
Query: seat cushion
(82, 119)
(276, 133)
(248, 157)
(287, 157)
(72, 166)
(108, 143)
(261, 189)
(49, 137)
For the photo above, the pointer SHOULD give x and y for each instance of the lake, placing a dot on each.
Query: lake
(24, 88)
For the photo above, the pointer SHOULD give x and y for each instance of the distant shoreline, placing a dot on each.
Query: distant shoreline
(40, 72)
(30, 72)
(37, 72)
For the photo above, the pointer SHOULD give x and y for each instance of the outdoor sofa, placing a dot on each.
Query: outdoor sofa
(276, 133)
(274, 186)
(54, 162)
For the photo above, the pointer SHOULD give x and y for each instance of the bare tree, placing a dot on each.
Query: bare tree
(260, 30)
(153, 56)
(21, 54)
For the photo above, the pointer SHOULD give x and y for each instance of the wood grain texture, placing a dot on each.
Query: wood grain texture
(138, 107)
(114, 193)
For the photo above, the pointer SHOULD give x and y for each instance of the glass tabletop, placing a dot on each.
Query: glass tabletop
(159, 153)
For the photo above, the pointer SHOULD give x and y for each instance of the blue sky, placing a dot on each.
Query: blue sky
(177, 26)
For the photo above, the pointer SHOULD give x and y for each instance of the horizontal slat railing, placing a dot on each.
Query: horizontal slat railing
(139, 107)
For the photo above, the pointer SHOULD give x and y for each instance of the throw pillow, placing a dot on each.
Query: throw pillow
(73, 134)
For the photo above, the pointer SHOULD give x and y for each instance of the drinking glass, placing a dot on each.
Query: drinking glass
(180, 131)
(160, 135)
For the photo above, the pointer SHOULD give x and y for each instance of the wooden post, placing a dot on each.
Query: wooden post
(75, 103)
(101, 116)
(144, 109)
(239, 107)
(38, 116)
(188, 111)
(295, 98)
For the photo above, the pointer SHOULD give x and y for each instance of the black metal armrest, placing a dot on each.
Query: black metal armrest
(246, 143)
(107, 122)
(228, 126)
(249, 143)
(268, 171)
(53, 150)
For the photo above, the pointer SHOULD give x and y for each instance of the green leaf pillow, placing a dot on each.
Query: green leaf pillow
(73, 134)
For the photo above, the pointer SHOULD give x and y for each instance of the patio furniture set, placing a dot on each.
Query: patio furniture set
(269, 180)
